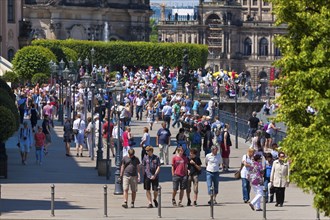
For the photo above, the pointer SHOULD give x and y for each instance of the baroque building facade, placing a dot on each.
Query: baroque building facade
(239, 34)
(10, 19)
(88, 19)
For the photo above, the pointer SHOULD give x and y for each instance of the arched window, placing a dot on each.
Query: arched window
(11, 11)
(263, 47)
(247, 47)
(10, 54)
(277, 52)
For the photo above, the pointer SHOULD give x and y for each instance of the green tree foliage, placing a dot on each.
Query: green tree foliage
(154, 30)
(7, 127)
(9, 118)
(10, 76)
(133, 53)
(39, 78)
(32, 59)
(305, 81)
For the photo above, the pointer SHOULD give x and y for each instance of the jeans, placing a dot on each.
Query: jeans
(176, 120)
(266, 181)
(246, 188)
(139, 110)
(39, 153)
(212, 178)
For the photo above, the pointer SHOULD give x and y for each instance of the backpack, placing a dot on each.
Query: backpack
(265, 127)
(197, 138)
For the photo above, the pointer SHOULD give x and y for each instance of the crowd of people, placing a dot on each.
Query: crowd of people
(151, 94)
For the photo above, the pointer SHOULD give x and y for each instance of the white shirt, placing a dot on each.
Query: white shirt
(213, 162)
(244, 171)
(80, 127)
(167, 110)
(115, 132)
(139, 101)
(146, 137)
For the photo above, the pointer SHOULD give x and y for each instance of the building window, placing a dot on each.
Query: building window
(11, 11)
(266, 3)
(10, 54)
(247, 47)
(263, 47)
(277, 52)
(244, 2)
(255, 2)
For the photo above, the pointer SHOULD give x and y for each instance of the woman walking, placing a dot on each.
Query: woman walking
(279, 178)
(225, 148)
(255, 177)
(34, 115)
(40, 139)
(145, 141)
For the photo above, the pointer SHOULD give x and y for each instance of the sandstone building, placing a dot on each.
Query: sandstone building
(239, 33)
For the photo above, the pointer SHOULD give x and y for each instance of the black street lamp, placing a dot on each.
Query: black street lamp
(74, 75)
(236, 119)
(65, 74)
(118, 93)
(51, 64)
(100, 84)
(60, 77)
(92, 88)
(109, 93)
(92, 56)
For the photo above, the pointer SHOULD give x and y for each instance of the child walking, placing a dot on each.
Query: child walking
(40, 139)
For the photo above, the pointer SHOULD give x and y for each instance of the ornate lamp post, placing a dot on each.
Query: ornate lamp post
(65, 75)
(92, 88)
(109, 93)
(60, 77)
(236, 122)
(87, 80)
(100, 84)
(51, 63)
(73, 79)
(118, 92)
(92, 56)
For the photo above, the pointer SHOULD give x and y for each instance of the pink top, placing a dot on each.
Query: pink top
(125, 139)
(48, 110)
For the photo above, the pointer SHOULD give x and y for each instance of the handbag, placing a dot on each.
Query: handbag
(237, 174)
(76, 131)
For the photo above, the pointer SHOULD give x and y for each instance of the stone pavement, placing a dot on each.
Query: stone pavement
(79, 190)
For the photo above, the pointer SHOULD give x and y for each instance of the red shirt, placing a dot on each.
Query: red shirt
(40, 138)
(125, 139)
(105, 129)
(180, 165)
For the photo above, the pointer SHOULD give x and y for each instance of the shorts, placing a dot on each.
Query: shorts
(67, 139)
(193, 180)
(79, 138)
(179, 181)
(24, 148)
(149, 182)
(48, 139)
(130, 181)
(267, 135)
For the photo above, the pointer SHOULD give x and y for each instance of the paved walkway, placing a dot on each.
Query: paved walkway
(79, 190)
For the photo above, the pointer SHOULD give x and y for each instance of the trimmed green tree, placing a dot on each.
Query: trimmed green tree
(31, 60)
(39, 78)
(305, 83)
(10, 76)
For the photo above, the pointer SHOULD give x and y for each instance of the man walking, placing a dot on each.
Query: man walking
(253, 123)
(151, 166)
(163, 140)
(130, 175)
(79, 129)
(179, 175)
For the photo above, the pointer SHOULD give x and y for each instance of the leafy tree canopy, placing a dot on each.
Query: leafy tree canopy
(305, 82)
(32, 59)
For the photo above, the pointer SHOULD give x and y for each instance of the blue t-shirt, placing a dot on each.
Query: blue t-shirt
(196, 105)
(163, 136)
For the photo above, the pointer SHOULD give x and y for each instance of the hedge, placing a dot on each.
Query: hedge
(10, 76)
(39, 78)
(7, 127)
(133, 53)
